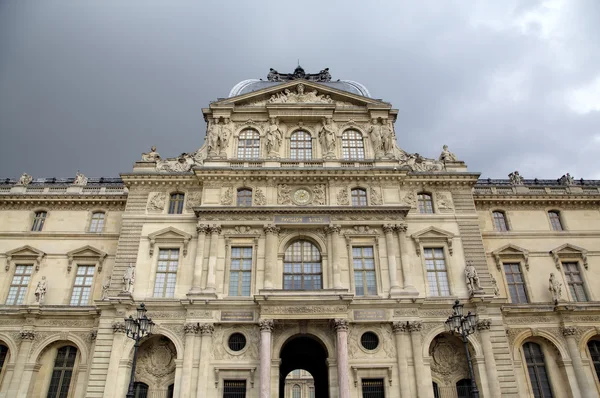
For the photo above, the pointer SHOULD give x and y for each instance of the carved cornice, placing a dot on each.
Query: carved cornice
(394, 211)
(63, 202)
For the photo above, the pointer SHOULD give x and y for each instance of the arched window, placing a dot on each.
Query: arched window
(248, 145)
(301, 146)
(425, 203)
(296, 391)
(302, 267)
(500, 223)
(3, 356)
(359, 197)
(463, 388)
(554, 216)
(352, 145)
(140, 390)
(594, 347)
(62, 372)
(97, 222)
(176, 203)
(38, 221)
(244, 197)
(536, 367)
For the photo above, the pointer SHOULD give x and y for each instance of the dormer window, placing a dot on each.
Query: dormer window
(301, 146)
(248, 145)
(352, 145)
(244, 197)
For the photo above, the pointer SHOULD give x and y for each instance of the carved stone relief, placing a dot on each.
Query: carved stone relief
(343, 198)
(283, 194)
(444, 203)
(448, 361)
(221, 335)
(410, 199)
(227, 197)
(193, 199)
(259, 197)
(319, 194)
(376, 199)
(156, 360)
(156, 202)
(386, 347)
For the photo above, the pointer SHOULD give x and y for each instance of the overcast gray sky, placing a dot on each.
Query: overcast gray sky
(508, 85)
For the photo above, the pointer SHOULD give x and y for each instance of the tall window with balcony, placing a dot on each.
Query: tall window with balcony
(425, 202)
(248, 145)
(574, 281)
(353, 147)
(18, 285)
(437, 274)
(176, 203)
(97, 222)
(39, 219)
(240, 271)
(302, 267)
(364, 270)
(244, 197)
(82, 288)
(166, 273)
(359, 197)
(500, 222)
(555, 222)
(301, 146)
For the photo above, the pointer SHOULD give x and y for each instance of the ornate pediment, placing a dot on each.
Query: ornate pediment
(24, 253)
(87, 253)
(432, 234)
(569, 251)
(169, 235)
(510, 252)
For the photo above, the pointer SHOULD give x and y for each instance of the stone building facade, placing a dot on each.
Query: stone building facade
(299, 236)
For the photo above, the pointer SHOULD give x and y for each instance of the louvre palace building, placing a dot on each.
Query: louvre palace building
(300, 252)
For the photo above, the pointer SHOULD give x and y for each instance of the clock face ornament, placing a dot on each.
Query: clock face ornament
(301, 196)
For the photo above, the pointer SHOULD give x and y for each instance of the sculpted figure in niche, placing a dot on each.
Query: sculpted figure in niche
(327, 136)
(376, 137)
(515, 178)
(472, 278)
(151, 156)
(25, 179)
(274, 136)
(129, 279)
(40, 291)
(387, 136)
(217, 137)
(446, 155)
(555, 288)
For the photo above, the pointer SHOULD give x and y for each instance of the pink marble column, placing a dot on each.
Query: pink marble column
(341, 327)
(266, 327)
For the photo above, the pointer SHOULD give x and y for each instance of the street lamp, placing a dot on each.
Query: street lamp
(137, 328)
(464, 326)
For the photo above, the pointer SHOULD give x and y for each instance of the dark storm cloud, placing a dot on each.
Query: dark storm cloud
(507, 85)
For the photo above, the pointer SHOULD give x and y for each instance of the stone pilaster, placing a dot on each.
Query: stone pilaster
(336, 251)
(266, 328)
(341, 328)
(206, 330)
(190, 330)
(214, 231)
(388, 229)
(202, 230)
(586, 391)
(483, 327)
(400, 330)
(271, 232)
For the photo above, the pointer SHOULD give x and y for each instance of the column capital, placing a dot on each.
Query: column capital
(415, 326)
(27, 335)
(202, 228)
(400, 327)
(569, 331)
(484, 324)
(119, 327)
(271, 229)
(388, 228)
(341, 325)
(401, 228)
(332, 229)
(266, 325)
(191, 328)
(215, 229)
(206, 329)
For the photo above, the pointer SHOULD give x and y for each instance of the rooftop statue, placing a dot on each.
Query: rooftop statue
(446, 155)
(322, 76)
(25, 179)
(515, 178)
(80, 179)
(566, 179)
(151, 156)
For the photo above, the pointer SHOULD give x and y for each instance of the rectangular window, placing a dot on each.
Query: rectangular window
(18, 286)
(437, 275)
(234, 388)
(240, 272)
(166, 273)
(364, 271)
(83, 285)
(97, 222)
(372, 388)
(516, 283)
(574, 281)
(38, 221)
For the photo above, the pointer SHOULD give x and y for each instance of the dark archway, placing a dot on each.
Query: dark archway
(304, 352)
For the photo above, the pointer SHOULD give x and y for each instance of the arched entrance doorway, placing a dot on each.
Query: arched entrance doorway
(308, 353)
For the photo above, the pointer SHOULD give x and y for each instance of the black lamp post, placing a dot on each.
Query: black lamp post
(136, 329)
(464, 326)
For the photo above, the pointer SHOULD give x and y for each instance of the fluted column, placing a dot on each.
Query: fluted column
(424, 388)
(19, 385)
(404, 259)
(336, 252)
(271, 232)
(341, 327)
(202, 230)
(400, 332)
(388, 229)
(215, 231)
(206, 330)
(483, 327)
(266, 327)
(190, 330)
(570, 333)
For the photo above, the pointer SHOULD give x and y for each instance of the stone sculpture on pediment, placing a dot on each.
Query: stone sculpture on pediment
(274, 137)
(151, 156)
(284, 192)
(566, 179)
(515, 178)
(300, 96)
(182, 163)
(273, 76)
(328, 137)
(446, 155)
(80, 179)
(416, 162)
(156, 201)
(25, 179)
